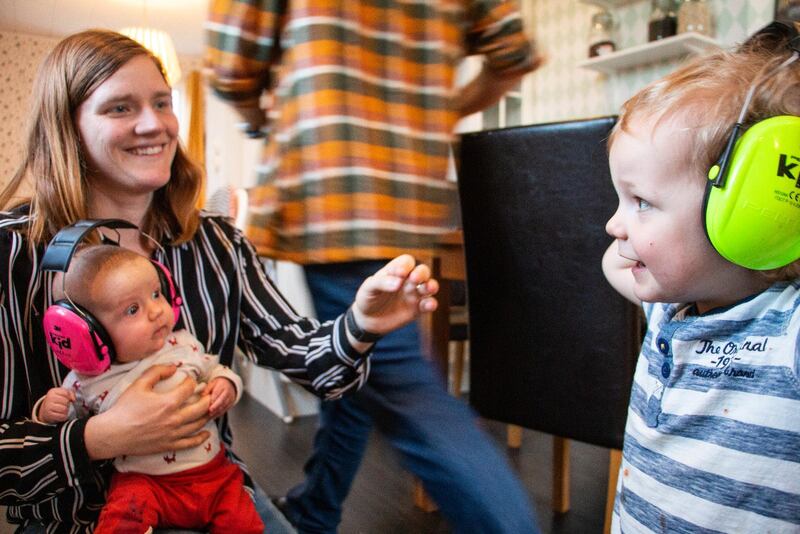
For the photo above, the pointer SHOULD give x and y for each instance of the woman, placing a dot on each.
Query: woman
(103, 144)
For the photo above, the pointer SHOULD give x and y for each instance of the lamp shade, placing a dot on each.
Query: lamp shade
(160, 44)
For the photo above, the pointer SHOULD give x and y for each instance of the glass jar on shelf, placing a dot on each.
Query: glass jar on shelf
(663, 20)
(695, 16)
(601, 34)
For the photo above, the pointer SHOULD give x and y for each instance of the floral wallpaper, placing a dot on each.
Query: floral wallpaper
(20, 55)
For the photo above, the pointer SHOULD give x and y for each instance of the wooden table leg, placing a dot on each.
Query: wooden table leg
(435, 337)
(435, 327)
(435, 331)
(560, 475)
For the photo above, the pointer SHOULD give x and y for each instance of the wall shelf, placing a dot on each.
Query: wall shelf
(634, 56)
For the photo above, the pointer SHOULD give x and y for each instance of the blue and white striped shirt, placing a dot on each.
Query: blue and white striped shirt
(712, 442)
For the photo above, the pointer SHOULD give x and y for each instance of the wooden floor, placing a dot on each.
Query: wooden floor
(380, 500)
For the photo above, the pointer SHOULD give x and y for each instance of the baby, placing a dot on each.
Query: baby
(191, 488)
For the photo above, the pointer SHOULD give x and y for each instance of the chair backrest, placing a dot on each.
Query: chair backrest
(552, 345)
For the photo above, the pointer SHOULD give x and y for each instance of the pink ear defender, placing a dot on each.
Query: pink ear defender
(75, 336)
(76, 339)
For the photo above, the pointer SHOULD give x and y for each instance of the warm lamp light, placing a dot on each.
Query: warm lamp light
(160, 44)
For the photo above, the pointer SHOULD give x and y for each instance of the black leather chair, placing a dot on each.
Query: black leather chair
(552, 345)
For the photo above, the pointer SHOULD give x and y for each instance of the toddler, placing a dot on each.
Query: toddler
(712, 442)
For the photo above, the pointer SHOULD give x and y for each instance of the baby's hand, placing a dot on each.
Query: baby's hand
(55, 406)
(223, 395)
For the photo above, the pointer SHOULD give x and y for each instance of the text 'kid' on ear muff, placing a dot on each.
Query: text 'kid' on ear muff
(76, 337)
(751, 209)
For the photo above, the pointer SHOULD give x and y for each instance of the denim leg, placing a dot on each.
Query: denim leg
(315, 505)
(435, 433)
(274, 522)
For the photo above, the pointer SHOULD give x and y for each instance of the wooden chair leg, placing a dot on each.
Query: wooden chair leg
(458, 366)
(560, 475)
(614, 460)
(421, 499)
(514, 436)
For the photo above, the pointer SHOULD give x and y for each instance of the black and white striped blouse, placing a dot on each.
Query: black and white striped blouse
(45, 472)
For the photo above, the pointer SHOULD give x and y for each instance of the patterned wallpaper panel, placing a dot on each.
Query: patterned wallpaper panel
(561, 91)
(20, 56)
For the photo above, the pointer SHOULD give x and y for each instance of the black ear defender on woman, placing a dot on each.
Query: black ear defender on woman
(76, 337)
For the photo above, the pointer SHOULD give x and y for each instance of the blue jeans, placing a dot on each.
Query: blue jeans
(435, 433)
(274, 522)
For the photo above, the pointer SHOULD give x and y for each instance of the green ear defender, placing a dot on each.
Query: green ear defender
(753, 216)
(751, 209)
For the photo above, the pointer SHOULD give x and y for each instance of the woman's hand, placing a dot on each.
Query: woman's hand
(143, 421)
(394, 296)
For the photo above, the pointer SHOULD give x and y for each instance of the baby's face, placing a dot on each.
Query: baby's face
(135, 313)
(658, 222)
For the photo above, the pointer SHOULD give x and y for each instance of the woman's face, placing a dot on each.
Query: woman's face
(129, 132)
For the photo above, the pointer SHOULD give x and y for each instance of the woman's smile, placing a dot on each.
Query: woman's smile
(147, 150)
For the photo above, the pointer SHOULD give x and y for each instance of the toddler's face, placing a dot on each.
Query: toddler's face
(136, 315)
(658, 222)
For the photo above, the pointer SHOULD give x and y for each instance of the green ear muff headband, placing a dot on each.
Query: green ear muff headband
(751, 209)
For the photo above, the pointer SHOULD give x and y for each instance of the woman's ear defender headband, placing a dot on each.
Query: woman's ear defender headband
(751, 209)
(76, 337)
